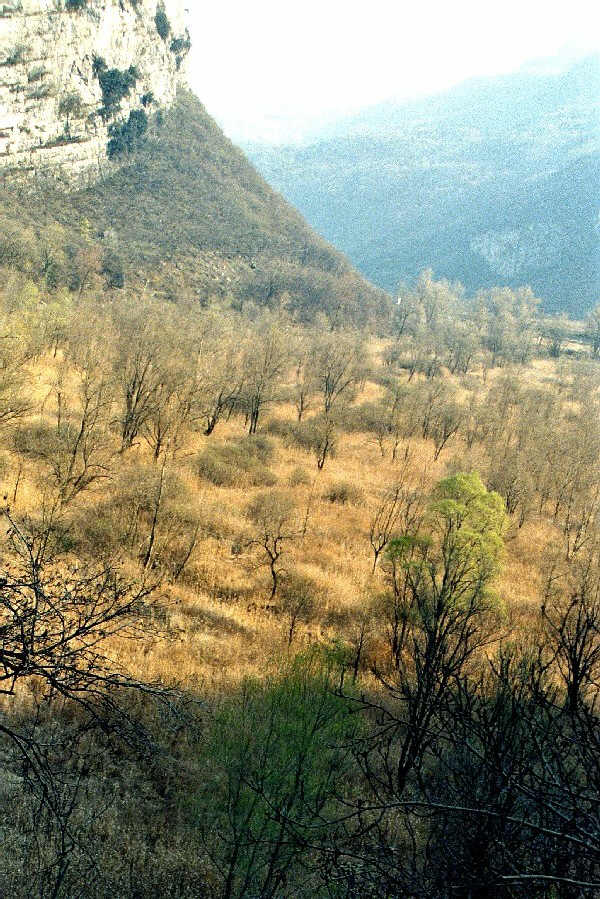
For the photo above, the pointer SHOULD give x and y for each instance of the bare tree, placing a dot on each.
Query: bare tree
(219, 378)
(339, 366)
(172, 412)
(150, 348)
(298, 601)
(398, 512)
(592, 326)
(571, 617)
(55, 621)
(274, 518)
(318, 435)
(79, 450)
(444, 425)
(305, 379)
(265, 360)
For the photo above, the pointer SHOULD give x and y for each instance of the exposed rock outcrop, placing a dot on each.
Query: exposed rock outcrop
(80, 78)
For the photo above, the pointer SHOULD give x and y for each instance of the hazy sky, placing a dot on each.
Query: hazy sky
(272, 68)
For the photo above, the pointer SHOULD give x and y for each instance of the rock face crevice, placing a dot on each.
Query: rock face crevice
(57, 112)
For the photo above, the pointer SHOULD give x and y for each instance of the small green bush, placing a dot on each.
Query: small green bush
(71, 106)
(75, 4)
(113, 270)
(298, 724)
(181, 44)
(16, 55)
(98, 65)
(40, 92)
(115, 84)
(36, 74)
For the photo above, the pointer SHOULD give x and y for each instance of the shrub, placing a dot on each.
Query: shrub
(367, 417)
(71, 107)
(343, 492)
(125, 521)
(16, 55)
(317, 435)
(113, 271)
(75, 4)
(126, 136)
(36, 74)
(281, 427)
(98, 65)
(299, 478)
(181, 44)
(40, 92)
(213, 467)
(306, 435)
(240, 463)
(115, 84)
(35, 440)
(299, 599)
(163, 26)
(99, 532)
(14, 249)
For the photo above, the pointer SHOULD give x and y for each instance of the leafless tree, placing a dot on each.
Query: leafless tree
(273, 515)
(339, 366)
(266, 358)
(398, 512)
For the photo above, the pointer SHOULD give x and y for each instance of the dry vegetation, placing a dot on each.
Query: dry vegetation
(187, 217)
(249, 488)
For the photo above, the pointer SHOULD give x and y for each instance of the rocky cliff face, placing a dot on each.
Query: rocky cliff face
(79, 80)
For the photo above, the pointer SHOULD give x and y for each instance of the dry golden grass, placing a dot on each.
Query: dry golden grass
(220, 626)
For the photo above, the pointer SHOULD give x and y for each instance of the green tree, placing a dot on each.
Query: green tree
(276, 756)
(466, 524)
(435, 615)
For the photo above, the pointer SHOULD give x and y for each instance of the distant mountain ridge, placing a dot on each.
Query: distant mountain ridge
(496, 181)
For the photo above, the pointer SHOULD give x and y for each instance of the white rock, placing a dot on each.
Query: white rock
(47, 53)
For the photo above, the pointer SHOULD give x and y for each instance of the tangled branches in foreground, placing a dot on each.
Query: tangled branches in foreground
(58, 687)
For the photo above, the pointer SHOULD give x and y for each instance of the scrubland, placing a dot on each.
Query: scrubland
(290, 607)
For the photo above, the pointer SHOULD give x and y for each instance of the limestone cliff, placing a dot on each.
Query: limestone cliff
(79, 80)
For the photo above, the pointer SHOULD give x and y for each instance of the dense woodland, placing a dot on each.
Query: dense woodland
(300, 594)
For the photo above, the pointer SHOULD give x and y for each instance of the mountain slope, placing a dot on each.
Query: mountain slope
(190, 215)
(493, 182)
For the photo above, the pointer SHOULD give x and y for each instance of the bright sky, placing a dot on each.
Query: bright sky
(270, 69)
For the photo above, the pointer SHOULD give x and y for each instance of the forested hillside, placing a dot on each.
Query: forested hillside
(494, 182)
(189, 215)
